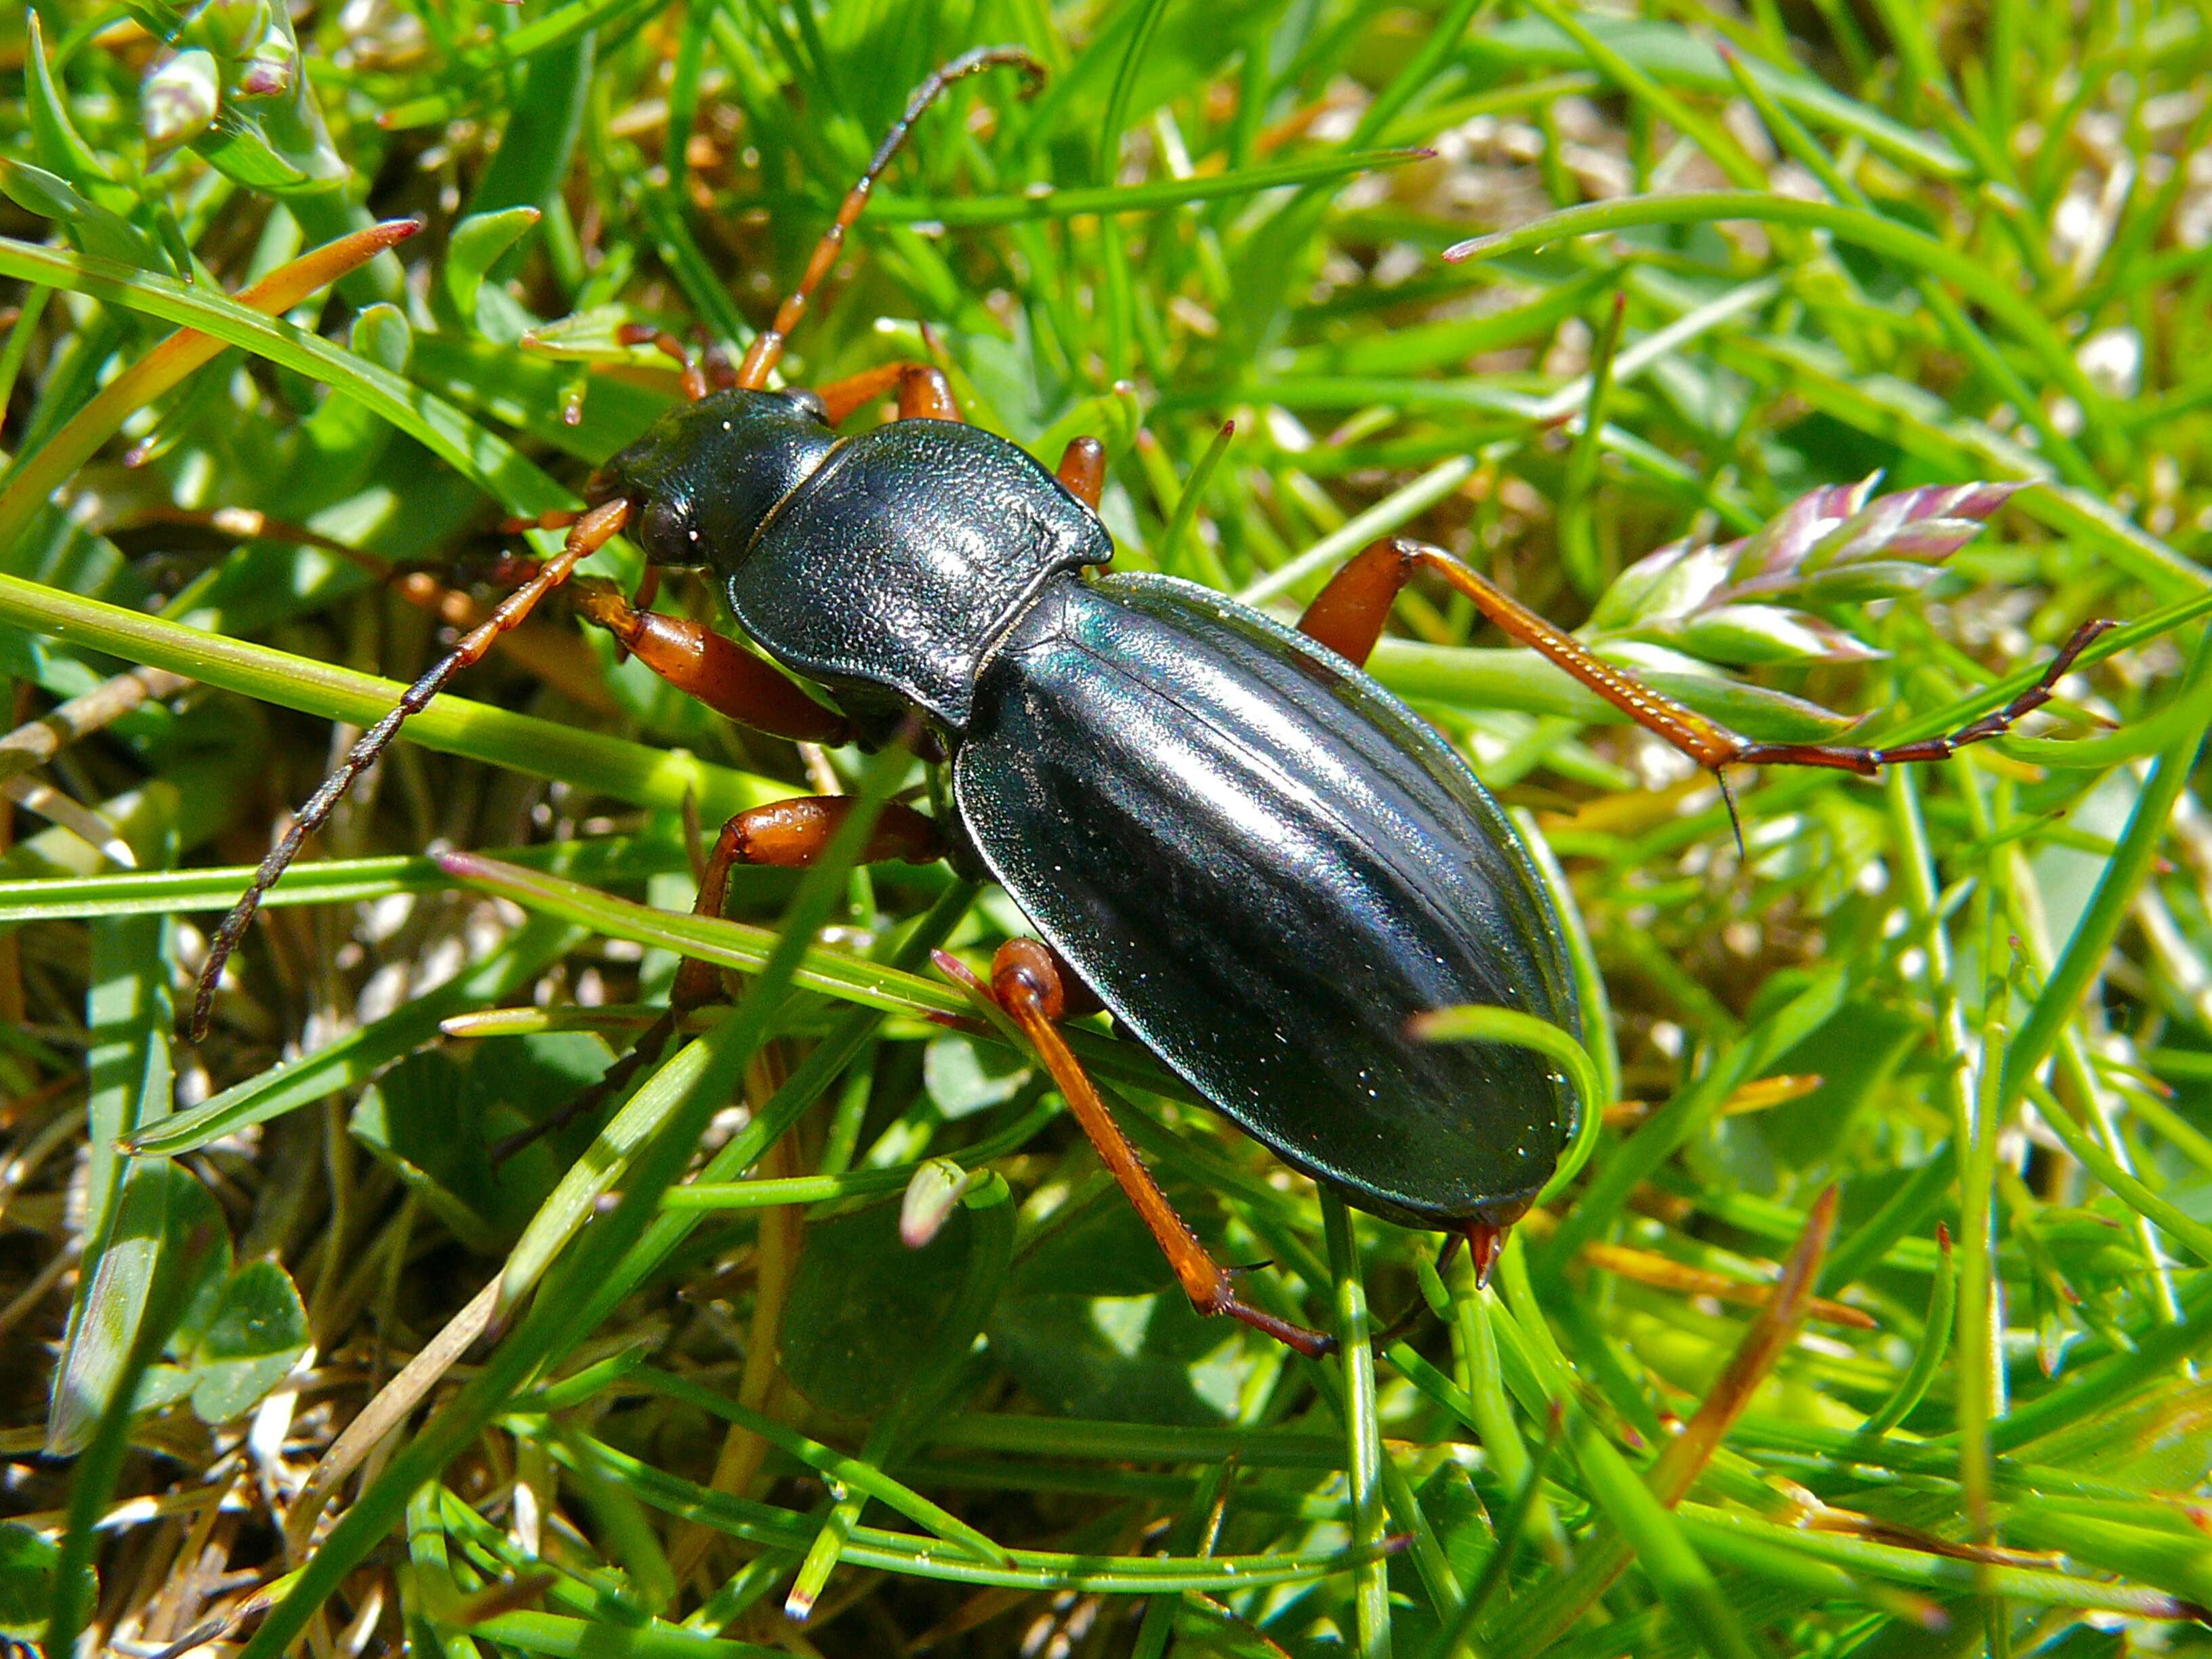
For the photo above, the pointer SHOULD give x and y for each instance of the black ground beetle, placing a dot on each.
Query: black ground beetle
(1261, 862)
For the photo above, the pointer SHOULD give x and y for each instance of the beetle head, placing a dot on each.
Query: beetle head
(706, 475)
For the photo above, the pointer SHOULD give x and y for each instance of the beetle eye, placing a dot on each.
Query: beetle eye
(666, 533)
(809, 402)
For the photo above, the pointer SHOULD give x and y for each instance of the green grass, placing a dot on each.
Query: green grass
(658, 1384)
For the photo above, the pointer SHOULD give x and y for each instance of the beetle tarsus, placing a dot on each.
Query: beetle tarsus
(1867, 761)
(1314, 1345)
(643, 1053)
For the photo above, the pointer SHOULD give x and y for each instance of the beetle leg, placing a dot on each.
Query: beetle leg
(922, 390)
(1077, 998)
(1484, 1242)
(786, 834)
(792, 835)
(1348, 617)
(694, 377)
(713, 668)
(589, 533)
(839, 398)
(1083, 470)
(1026, 984)
(924, 394)
(553, 518)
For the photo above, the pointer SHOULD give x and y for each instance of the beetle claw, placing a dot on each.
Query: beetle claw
(1484, 1243)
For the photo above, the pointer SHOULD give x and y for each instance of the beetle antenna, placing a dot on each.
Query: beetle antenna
(590, 532)
(767, 349)
(1727, 799)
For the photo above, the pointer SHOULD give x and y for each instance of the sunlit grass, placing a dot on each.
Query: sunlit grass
(312, 1370)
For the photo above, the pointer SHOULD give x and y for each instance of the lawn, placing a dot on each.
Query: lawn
(1825, 364)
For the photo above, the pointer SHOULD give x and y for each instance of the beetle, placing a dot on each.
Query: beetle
(1263, 865)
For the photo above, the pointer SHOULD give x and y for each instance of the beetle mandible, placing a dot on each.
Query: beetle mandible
(1261, 862)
